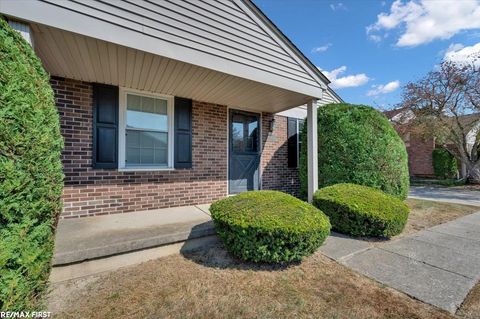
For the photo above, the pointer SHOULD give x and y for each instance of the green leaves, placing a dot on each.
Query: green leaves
(31, 178)
(362, 211)
(269, 226)
(357, 144)
(444, 163)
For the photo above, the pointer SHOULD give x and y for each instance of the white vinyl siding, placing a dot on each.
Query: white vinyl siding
(327, 98)
(207, 26)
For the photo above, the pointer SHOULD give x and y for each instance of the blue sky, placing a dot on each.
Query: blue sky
(370, 49)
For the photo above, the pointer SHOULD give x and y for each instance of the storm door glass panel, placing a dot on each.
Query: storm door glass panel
(146, 131)
(238, 133)
(252, 137)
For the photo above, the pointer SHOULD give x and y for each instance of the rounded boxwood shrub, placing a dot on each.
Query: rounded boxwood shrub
(362, 211)
(444, 163)
(269, 226)
(357, 144)
(31, 177)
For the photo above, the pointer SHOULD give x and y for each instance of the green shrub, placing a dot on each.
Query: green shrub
(31, 177)
(444, 163)
(357, 144)
(269, 226)
(362, 211)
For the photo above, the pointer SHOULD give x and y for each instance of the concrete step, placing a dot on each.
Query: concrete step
(88, 238)
(66, 273)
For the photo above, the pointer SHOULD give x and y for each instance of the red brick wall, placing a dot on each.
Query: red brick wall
(420, 151)
(93, 192)
(274, 164)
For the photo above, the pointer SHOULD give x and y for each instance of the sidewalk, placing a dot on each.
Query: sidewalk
(438, 266)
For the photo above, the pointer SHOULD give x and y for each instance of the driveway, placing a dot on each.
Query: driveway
(444, 194)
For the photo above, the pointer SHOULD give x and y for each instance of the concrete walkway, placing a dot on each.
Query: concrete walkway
(444, 194)
(88, 238)
(438, 266)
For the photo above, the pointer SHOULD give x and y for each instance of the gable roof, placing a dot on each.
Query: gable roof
(228, 36)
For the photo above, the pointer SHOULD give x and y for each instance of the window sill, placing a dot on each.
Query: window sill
(145, 169)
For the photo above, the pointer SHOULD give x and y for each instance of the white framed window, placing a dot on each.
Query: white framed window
(145, 131)
(300, 124)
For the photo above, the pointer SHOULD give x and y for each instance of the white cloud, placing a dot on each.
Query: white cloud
(338, 6)
(345, 81)
(457, 53)
(322, 48)
(375, 38)
(384, 89)
(422, 21)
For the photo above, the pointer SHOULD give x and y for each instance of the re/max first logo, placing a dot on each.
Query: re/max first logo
(25, 314)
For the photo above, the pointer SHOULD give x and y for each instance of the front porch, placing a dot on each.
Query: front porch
(82, 239)
(89, 246)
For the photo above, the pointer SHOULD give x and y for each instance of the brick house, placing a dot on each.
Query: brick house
(420, 146)
(167, 104)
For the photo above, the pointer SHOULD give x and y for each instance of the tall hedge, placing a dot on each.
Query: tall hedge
(357, 144)
(444, 163)
(31, 177)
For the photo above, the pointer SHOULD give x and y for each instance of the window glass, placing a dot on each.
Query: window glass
(237, 136)
(252, 139)
(244, 133)
(148, 113)
(146, 148)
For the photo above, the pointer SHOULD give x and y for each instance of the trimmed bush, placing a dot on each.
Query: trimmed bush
(357, 144)
(269, 226)
(362, 211)
(31, 177)
(444, 163)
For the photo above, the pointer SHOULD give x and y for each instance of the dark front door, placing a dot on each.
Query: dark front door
(244, 151)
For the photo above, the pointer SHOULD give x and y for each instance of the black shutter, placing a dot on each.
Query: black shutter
(292, 142)
(183, 133)
(105, 126)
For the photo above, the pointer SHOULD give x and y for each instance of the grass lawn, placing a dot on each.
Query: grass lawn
(210, 284)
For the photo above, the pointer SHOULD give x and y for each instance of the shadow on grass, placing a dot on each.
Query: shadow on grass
(212, 253)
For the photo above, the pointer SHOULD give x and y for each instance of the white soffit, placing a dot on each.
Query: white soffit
(83, 58)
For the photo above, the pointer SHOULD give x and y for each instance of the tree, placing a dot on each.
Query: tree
(445, 104)
(31, 177)
(358, 145)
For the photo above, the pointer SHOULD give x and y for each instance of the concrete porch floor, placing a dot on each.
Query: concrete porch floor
(82, 239)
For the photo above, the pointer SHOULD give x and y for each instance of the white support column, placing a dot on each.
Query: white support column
(312, 148)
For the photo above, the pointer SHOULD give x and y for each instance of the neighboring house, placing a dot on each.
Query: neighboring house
(420, 146)
(171, 103)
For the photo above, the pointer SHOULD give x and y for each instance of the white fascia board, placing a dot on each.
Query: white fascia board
(60, 18)
(299, 112)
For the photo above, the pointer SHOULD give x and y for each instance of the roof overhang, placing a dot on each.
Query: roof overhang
(141, 38)
(75, 56)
